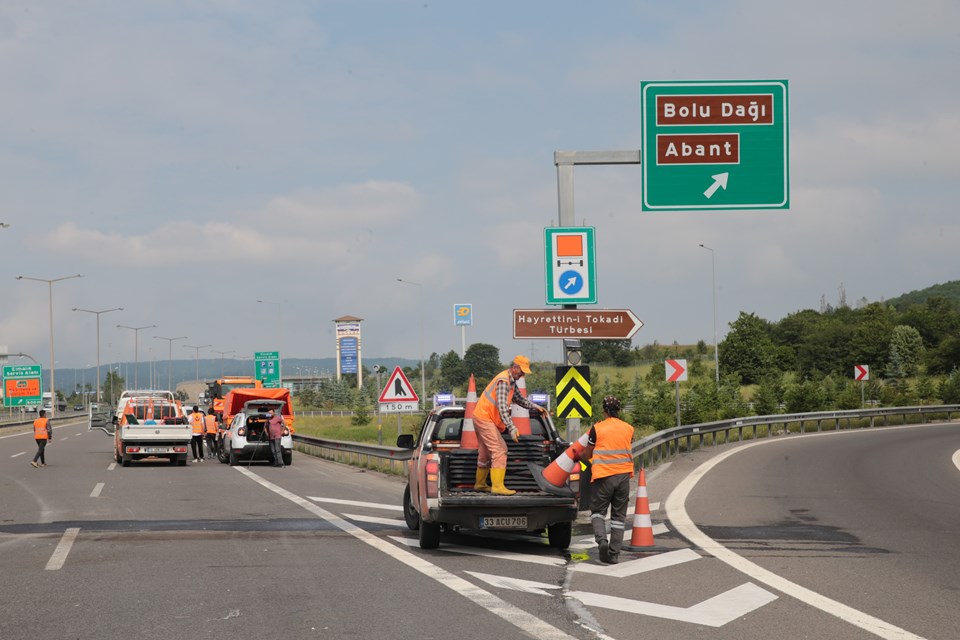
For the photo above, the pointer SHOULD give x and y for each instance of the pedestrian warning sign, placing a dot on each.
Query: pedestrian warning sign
(398, 389)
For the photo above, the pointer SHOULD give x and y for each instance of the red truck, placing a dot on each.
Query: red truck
(439, 495)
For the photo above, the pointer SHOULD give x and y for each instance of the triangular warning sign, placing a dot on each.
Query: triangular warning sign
(398, 389)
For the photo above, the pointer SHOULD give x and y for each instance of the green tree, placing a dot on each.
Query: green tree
(612, 352)
(452, 371)
(769, 395)
(747, 349)
(804, 397)
(361, 413)
(943, 358)
(483, 361)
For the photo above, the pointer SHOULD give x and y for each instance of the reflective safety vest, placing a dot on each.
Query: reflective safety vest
(612, 453)
(211, 422)
(40, 429)
(196, 423)
(486, 408)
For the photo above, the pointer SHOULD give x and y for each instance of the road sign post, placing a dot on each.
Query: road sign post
(861, 372)
(676, 372)
(571, 265)
(398, 395)
(267, 368)
(715, 145)
(585, 324)
(22, 386)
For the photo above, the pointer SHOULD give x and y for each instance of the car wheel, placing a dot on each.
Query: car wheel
(410, 515)
(233, 458)
(559, 534)
(429, 535)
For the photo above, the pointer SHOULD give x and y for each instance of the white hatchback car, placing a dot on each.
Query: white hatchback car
(246, 439)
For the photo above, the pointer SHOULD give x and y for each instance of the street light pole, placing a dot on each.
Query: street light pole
(423, 378)
(98, 340)
(53, 383)
(222, 353)
(716, 345)
(197, 347)
(136, 350)
(170, 357)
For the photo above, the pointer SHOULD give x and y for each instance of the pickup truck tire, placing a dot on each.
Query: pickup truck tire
(429, 535)
(182, 461)
(410, 515)
(559, 534)
(124, 460)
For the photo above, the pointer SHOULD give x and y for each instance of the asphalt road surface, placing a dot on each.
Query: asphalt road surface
(867, 520)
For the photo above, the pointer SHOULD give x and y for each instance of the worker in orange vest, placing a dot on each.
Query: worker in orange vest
(491, 417)
(42, 433)
(610, 442)
(196, 424)
(210, 424)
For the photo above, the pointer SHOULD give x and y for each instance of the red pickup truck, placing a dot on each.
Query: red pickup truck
(439, 495)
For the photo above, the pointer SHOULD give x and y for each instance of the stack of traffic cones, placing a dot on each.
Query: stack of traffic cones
(521, 415)
(468, 435)
(641, 538)
(559, 470)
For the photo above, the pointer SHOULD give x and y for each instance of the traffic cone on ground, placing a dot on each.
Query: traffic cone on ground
(468, 435)
(559, 470)
(521, 415)
(642, 535)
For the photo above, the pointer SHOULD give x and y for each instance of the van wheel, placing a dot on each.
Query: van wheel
(429, 535)
(559, 534)
(125, 460)
(410, 515)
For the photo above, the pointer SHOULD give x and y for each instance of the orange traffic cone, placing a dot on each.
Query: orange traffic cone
(468, 435)
(559, 470)
(521, 415)
(642, 536)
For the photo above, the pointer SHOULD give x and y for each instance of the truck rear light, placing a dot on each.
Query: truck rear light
(241, 431)
(133, 449)
(432, 475)
(179, 449)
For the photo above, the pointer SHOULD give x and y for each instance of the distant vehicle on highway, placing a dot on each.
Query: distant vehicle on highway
(78, 407)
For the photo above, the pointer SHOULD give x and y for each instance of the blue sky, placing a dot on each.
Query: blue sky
(191, 158)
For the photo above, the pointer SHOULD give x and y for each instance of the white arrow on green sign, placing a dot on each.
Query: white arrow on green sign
(715, 145)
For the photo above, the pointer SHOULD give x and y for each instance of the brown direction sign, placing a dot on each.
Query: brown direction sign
(586, 324)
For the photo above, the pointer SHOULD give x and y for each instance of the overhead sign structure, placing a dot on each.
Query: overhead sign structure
(715, 145)
(571, 265)
(267, 368)
(462, 315)
(676, 370)
(573, 392)
(22, 386)
(861, 372)
(398, 395)
(586, 324)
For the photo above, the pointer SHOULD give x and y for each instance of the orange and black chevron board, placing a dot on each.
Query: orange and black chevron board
(573, 392)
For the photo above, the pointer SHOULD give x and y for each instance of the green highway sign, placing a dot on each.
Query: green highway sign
(267, 368)
(715, 145)
(22, 386)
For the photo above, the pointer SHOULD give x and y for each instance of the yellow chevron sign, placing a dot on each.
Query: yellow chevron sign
(573, 392)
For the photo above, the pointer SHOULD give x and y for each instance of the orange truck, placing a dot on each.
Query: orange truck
(220, 388)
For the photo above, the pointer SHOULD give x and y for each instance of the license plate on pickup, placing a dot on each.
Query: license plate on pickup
(503, 522)
(157, 450)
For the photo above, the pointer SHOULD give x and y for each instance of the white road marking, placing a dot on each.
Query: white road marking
(112, 466)
(516, 584)
(640, 565)
(357, 503)
(677, 514)
(514, 615)
(956, 459)
(489, 553)
(713, 612)
(96, 490)
(22, 453)
(393, 522)
(63, 549)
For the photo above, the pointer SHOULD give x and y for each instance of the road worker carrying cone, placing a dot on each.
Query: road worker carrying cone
(491, 418)
(610, 443)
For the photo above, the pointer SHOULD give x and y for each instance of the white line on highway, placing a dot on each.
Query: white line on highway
(18, 454)
(357, 503)
(516, 616)
(96, 490)
(63, 549)
(393, 522)
(552, 561)
(113, 465)
(956, 459)
(681, 521)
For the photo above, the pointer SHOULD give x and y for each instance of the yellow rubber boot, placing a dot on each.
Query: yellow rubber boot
(481, 484)
(496, 477)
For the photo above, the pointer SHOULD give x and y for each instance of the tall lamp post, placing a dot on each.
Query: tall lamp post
(222, 353)
(197, 347)
(53, 382)
(423, 378)
(98, 340)
(136, 350)
(170, 357)
(716, 345)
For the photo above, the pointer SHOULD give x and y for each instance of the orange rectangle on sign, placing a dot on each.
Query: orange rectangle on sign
(22, 388)
(569, 246)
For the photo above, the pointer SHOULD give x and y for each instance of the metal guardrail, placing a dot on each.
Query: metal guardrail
(662, 444)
